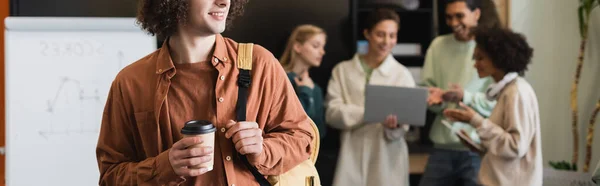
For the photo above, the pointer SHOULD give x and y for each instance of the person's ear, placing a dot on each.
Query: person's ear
(477, 13)
(366, 34)
(297, 47)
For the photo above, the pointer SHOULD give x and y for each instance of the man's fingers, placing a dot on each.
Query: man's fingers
(240, 126)
(250, 149)
(190, 162)
(230, 124)
(247, 142)
(248, 133)
(186, 142)
(192, 152)
(193, 172)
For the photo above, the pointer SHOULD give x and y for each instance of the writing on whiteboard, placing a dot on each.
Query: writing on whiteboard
(72, 107)
(75, 48)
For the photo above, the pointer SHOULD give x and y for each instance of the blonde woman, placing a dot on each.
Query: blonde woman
(305, 50)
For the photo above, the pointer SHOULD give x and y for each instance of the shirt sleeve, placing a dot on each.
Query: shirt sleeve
(288, 132)
(337, 113)
(115, 153)
(428, 75)
(512, 138)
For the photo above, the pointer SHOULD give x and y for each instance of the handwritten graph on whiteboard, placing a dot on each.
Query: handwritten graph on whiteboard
(70, 74)
(58, 75)
(73, 98)
(75, 108)
(80, 69)
(78, 83)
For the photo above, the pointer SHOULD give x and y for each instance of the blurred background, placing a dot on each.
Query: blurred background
(551, 26)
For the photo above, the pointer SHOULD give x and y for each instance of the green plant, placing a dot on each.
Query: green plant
(590, 137)
(585, 7)
(563, 165)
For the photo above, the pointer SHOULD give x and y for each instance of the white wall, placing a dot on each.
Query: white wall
(551, 27)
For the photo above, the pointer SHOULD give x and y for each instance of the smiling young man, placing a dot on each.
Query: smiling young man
(449, 73)
(194, 76)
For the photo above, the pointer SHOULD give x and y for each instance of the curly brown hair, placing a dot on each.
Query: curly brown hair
(160, 17)
(508, 51)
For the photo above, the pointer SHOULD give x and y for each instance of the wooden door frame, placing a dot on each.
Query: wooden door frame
(4, 12)
(503, 8)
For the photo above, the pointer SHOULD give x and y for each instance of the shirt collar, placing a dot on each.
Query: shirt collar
(385, 68)
(165, 62)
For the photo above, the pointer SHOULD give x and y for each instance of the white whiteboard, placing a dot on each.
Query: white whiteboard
(58, 74)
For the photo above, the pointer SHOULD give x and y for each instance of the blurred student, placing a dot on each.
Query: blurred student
(371, 154)
(511, 135)
(304, 50)
(449, 74)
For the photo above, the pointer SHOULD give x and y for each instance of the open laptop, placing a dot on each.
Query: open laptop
(408, 104)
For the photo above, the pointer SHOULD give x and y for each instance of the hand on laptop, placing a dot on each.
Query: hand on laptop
(391, 122)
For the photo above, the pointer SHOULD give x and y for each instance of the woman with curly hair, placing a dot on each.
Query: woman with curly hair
(194, 76)
(511, 135)
(448, 73)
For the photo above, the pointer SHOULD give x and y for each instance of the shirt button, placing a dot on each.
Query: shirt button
(222, 77)
(159, 70)
(221, 99)
(228, 158)
(216, 60)
(222, 129)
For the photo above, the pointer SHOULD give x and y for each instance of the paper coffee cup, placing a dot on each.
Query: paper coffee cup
(205, 130)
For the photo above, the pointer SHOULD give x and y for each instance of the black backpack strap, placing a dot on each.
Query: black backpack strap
(243, 85)
(244, 79)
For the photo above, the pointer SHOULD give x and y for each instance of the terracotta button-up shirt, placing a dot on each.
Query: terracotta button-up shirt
(137, 132)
